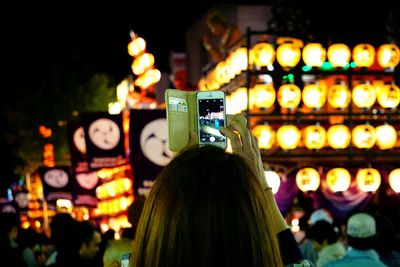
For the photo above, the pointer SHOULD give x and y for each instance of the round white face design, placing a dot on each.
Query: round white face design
(87, 180)
(79, 140)
(56, 178)
(104, 133)
(153, 142)
(22, 199)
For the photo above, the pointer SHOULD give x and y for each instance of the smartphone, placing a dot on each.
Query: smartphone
(211, 115)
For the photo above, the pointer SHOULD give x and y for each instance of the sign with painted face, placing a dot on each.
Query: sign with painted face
(84, 189)
(104, 139)
(148, 145)
(56, 182)
(77, 146)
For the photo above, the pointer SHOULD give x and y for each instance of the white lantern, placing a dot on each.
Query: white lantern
(308, 179)
(273, 180)
(394, 180)
(368, 179)
(338, 179)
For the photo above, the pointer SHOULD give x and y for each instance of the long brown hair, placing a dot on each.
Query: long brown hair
(206, 208)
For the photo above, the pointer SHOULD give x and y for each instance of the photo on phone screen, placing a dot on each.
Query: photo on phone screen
(211, 115)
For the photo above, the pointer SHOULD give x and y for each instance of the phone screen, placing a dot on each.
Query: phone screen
(211, 117)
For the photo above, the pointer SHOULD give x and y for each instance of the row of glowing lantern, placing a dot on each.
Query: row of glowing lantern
(288, 55)
(143, 63)
(314, 96)
(338, 136)
(337, 179)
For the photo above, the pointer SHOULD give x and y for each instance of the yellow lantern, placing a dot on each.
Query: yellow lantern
(368, 179)
(142, 63)
(289, 96)
(339, 95)
(288, 55)
(136, 46)
(339, 55)
(314, 95)
(386, 136)
(239, 99)
(338, 179)
(308, 179)
(364, 136)
(266, 136)
(262, 55)
(273, 180)
(394, 180)
(364, 95)
(339, 136)
(239, 60)
(263, 95)
(388, 55)
(288, 137)
(314, 137)
(364, 55)
(389, 95)
(314, 54)
(221, 73)
(148, 78)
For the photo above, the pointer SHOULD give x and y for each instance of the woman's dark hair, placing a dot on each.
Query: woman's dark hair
(206, 208)
(323, 230)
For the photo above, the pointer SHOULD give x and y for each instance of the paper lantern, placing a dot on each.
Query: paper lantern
(263, 95)
(339, 136)
(339, 96)
(364, 55)
(364, 95)
(266, 136)
(288, 55)
(288, 137)
(289, 96)
(221, 73)
(386, 136)
(262, 55)
(314, 54)
(338, 179)
(368, 179)
(239, 60)
(142, 63)
(388, 95)
(314, 137)
(339, 55)
(364, 136)
(314, 95)
(394, 180)
(136, 46)
(388, 55)
(308, 179)
(273, 180)
(239, 99)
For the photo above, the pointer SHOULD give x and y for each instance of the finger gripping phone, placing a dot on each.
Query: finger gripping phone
(210, 116)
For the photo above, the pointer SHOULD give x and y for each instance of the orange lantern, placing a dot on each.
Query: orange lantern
(368, 179)
(262, 55)
(288, 137)
(308, 179)
(263, 95)
(273, 180)
(386, 136)
(314, 54)
(364, 136)
(238, 60)
(364, 55)
(266, 136)
(221, 73)
(364, 95)
(314, 137)
(314, 95)
(388, 55)
(339, 95)
(142, 63)
(339, 136)
(288, 55)
(136, 46)
(389, 95)
(394, 180)
(338, 179)
(339, 55)
(289, 96)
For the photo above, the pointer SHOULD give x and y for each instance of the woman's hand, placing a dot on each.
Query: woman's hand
(244, 144)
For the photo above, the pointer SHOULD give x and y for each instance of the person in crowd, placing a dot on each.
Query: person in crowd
(361, 236)
(106, 238)
(228, 36)
(134, 213)
(28, 240)
(307, 247)
(388, 241)
(209, 207)
(10, 250)
(89, 244)
(115, 249)
(326, 241)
